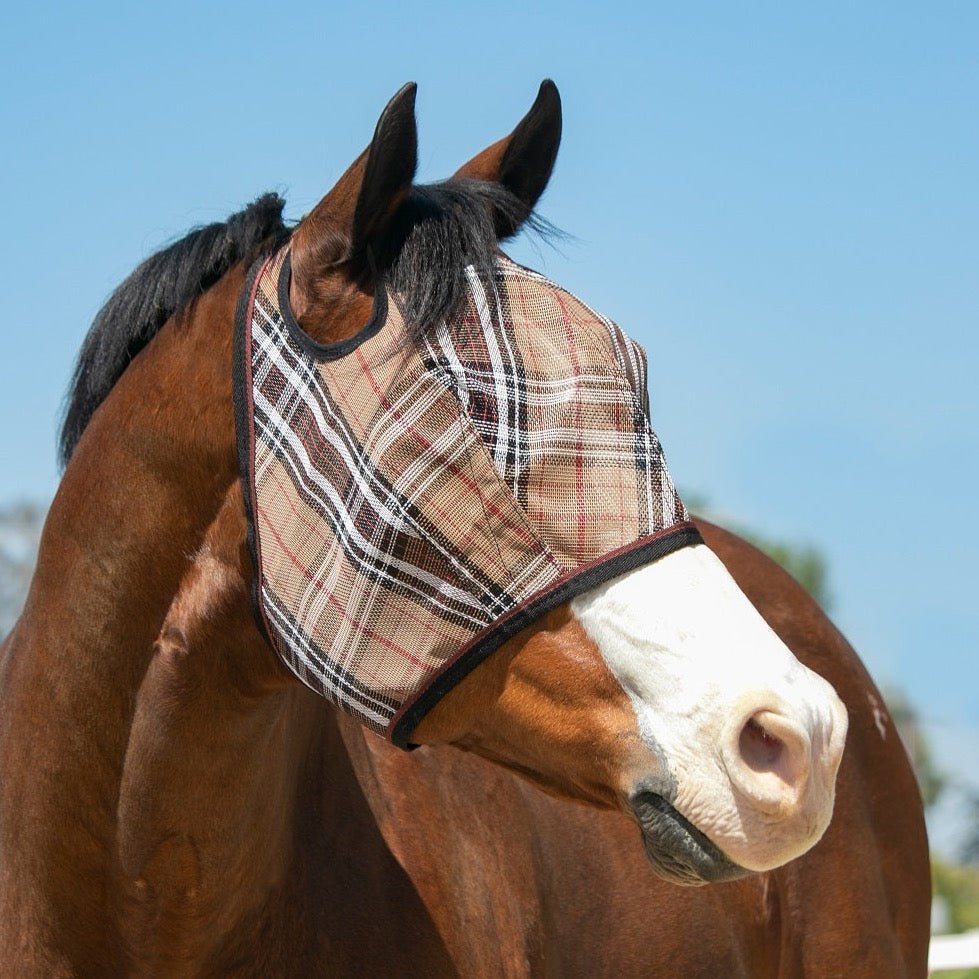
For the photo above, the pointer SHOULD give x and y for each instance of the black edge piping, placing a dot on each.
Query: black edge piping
(241, 397)
(328, 351)
(565, 589)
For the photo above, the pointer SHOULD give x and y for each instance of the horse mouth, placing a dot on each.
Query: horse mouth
(677, 850)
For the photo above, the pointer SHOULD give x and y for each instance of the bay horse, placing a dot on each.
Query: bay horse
(176, 803)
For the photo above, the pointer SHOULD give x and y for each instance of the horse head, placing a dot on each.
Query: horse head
(644, 680)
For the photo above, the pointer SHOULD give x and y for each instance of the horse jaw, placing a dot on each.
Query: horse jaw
(751, 738)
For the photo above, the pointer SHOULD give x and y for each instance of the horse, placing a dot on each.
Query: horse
(175, 801)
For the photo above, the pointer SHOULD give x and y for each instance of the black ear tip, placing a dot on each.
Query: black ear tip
(408, 91)
(545, 113)
(548, 96)
(403, 101)
(400, 109)
(396, 125)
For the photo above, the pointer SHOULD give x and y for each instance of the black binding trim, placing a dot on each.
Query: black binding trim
(629, 558)
(241, 395)
(328, 351)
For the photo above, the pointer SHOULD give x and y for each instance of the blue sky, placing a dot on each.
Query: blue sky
(781, 204)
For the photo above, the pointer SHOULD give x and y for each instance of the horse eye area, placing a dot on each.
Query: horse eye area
(761, 750)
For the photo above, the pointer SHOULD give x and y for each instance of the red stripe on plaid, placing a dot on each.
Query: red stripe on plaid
(315, 527)
(313, 580)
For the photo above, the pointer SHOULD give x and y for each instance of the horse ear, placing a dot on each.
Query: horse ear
(523, 161)
(356, 212)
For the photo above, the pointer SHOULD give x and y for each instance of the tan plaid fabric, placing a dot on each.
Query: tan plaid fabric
(413, 504)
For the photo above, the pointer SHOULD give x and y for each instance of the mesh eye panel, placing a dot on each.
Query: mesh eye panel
(413, 505)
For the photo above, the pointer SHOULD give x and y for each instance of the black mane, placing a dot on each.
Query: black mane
(161, 286)
(440, 230)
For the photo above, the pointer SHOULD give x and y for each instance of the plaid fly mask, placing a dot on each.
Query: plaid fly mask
(415, 502)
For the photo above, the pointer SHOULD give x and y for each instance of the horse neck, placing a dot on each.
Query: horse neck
(144, 483)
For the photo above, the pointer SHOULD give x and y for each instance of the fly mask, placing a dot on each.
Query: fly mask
(415, 501)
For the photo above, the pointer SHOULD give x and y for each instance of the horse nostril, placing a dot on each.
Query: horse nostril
(770, 761)
(760, 749)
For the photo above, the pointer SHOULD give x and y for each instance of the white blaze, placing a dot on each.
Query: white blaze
(752, 737)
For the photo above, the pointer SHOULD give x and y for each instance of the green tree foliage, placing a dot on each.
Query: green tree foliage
(970, 848)
(958, 887)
